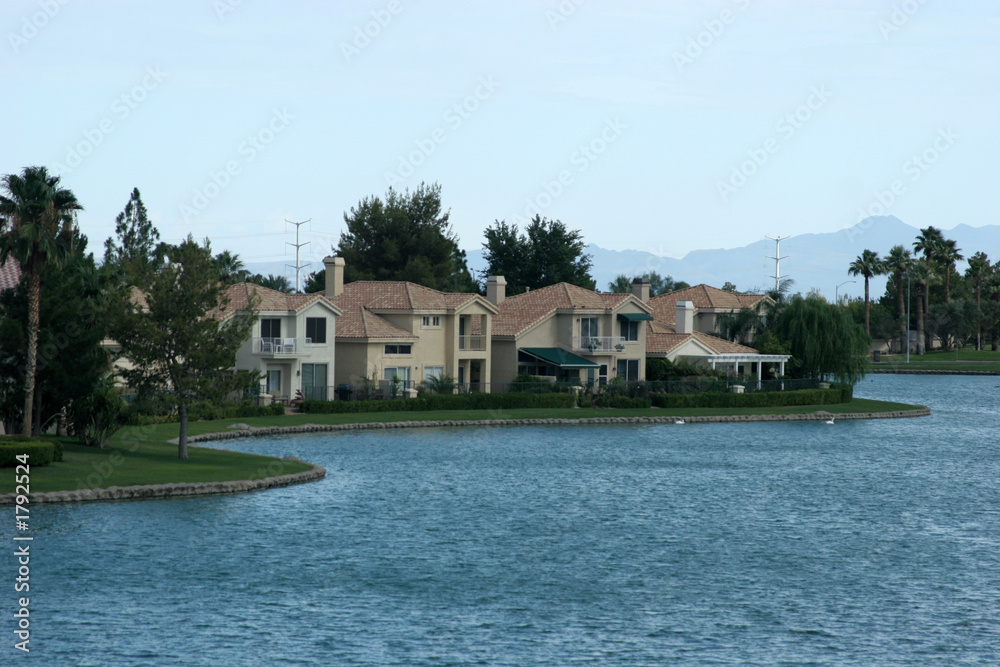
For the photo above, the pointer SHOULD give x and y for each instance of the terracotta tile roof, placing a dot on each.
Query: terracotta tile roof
(361, 302)
(267, 300)
(662, 340)
(522, 311)
(10, 274)
(703, 297)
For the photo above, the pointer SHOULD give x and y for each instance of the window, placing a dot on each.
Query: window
(630, 330)
(314, 385)
(401, 373)
(270, 327)
(398, 349)
(432, 320)
(433, 372)
(628, 369)
(274, 382)
(589, 327)
(316, 329)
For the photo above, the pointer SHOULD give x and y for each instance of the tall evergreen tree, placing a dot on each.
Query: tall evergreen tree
(545, 253)
(404, 236)
(133, 249)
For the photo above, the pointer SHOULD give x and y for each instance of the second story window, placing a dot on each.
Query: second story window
(432, 320)
(398, 349)
(589, 327)
(630, 331)
(270, 327)
(316, 329)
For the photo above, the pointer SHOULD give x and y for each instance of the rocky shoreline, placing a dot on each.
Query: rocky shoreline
(181, 490)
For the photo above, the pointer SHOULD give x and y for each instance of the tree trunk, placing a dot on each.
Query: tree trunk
(36, 421)
(182, 445)
(928, 343)
(904, 329)
(921, 340)
(979, 322)
(34, 296)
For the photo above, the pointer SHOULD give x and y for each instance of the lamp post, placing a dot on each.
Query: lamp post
(836, 291)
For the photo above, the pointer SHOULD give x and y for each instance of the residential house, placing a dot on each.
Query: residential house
(568, 333)
(399, 334)
(292, 343)
(677, 332)
(709, 303)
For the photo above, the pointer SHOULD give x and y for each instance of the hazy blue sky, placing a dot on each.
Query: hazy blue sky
(664, 126)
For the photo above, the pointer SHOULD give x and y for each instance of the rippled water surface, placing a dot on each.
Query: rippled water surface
(862, 543)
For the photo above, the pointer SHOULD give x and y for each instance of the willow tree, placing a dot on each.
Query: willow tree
(824, 340)
(36, 216)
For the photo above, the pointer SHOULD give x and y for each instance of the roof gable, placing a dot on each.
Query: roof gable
(521, 312)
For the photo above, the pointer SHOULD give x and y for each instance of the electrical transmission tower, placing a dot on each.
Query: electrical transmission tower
(777, 260)
(297, 245)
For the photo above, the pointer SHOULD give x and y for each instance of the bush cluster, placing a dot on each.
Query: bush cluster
(137, 416)
(616, 401)
(40, 452)
(762, 399)
(506, 401)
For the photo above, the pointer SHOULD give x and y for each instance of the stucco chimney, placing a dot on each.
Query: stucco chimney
(640, 288)
(684, 310)
(496, 289)
(334, 276)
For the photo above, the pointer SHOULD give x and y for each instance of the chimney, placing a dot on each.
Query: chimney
(334, 276)
(684, 311)
(496, 289)
(640, 288)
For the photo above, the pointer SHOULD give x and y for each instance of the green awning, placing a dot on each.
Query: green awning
(559, 357)
(635, 317)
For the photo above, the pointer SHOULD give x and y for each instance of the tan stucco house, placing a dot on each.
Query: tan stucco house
(293, 340)
(566, 333)
(397, 330)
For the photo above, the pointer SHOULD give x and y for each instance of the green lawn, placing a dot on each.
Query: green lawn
(143, 455)
(964, 359)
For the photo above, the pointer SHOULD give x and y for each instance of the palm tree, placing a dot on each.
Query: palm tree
(979, 269)
(869, 265)
(899, 262)
(922, 275)
(230, 267)
(948, 253)
(928, 241)
(34, 214)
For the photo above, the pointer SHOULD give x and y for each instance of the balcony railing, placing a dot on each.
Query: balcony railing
(282, 346)
(598, 344)
(474, 343)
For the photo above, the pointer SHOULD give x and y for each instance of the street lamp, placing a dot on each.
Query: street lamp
(836, 291)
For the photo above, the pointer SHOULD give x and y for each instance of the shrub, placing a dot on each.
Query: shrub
(616, 401)
(763, 399)
(40, 452)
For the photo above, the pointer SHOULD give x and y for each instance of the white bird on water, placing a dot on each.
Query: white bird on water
(678, 421)
(830, 420)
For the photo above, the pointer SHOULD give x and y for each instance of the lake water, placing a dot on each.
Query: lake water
(861, 543)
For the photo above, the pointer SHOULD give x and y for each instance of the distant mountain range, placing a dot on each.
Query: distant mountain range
(817, 261)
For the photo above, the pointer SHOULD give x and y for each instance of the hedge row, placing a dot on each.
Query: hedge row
(207, 411)
(40, 452)
(763, 399)
(612, 401)
(506, 401)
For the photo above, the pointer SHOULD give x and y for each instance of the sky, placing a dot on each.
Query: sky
(661, 126)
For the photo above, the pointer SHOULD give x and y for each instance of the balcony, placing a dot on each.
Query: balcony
(473, 343)
(282, 347)
(598, 344)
